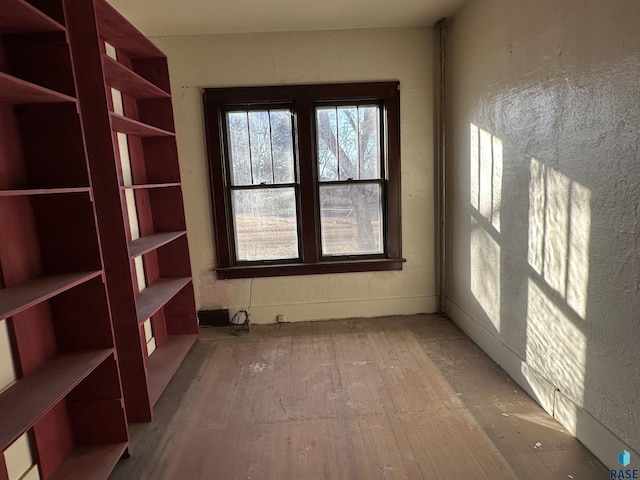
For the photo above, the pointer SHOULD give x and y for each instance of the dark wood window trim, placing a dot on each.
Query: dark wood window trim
(304, 99)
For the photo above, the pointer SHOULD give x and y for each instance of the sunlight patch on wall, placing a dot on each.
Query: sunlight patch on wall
(559, 232)
(485, 272)
(555, 345)
(485, 174)
(485, 191)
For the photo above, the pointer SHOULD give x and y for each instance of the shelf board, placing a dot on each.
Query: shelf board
(150, 242)
(155, 296)
(95, 462)
(117, 31)
(17, 91)
(164, 363)
(130, 126)
(20, 297)
(18, 16)
(43, 191)
(33, 395)
(147, 186)
(127, 81)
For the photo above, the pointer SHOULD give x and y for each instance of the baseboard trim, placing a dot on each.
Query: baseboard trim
(367, 308)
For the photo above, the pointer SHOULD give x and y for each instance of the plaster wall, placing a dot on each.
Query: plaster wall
(311, 57)
(543, 197)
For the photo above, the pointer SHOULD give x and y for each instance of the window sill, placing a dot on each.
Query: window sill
(338, 266)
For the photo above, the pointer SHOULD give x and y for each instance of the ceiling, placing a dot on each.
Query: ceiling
(195, 17)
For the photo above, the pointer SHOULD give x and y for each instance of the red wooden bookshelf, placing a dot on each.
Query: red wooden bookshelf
(154, 237)
(67, 394)
(77, 330)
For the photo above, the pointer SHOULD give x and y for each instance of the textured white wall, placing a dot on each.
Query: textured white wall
(312, 57)
(544, 204)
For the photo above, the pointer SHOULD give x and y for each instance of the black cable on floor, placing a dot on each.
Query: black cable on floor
(240, 322)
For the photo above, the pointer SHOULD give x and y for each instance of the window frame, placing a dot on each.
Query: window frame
(303, 100)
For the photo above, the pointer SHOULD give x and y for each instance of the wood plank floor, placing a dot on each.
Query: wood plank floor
(392, 398)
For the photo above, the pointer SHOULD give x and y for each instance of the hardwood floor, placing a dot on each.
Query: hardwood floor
(391, 398)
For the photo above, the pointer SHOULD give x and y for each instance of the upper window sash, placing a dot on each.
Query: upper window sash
(349, 141)
(259, 145)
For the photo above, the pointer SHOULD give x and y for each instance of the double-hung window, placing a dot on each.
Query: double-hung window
(262, 183)
(305, 179)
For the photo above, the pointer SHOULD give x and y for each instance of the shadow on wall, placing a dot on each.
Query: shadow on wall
(557, 270)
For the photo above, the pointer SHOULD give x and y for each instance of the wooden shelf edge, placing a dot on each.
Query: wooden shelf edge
(155, 296)
(150, 242)
(129, 82)
(14, 90)
(21, 407)
(147, 186)
(25, 295)
(95, 462)
(130, 126)
(31, 20)
(43, 191)
(165, 361)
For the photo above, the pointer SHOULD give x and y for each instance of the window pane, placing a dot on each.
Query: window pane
(282, 146)
(238, 138)
(260, 143)
(348, 142)
(351, 219)
(369, 142)
(326, 128)
(260, 147)
(265, 224)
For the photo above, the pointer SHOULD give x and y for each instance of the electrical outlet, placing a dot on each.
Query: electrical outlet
(280, 318)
